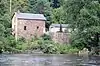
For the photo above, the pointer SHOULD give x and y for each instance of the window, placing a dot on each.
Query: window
(14, 34)
(24, 27)
(37, 27)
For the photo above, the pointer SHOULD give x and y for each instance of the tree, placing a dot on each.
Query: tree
(55, 4)
(84, 15)
(40, 7)
(58, 15)
(32, 6)
(21, 5)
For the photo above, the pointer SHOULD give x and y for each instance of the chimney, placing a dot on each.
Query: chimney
(18, 11)
(61, 27)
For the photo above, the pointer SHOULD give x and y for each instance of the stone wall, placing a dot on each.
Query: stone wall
(61, 37)
(29, 28)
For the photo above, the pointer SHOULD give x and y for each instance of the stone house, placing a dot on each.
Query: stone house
(60, 37)
(27, 25)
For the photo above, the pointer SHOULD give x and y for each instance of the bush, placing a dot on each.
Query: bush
(79, 44)
(64, 49)
(44, 44)
(46, 37)
(48, 46)
(51, 47)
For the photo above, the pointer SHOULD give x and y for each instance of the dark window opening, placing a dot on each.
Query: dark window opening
(37, 27)
(14, 34)
(24, 27)
(30, 34)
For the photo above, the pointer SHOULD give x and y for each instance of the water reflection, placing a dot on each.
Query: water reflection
(48, 60)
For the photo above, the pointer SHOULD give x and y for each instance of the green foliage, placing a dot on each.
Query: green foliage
(31, 6)
(46, 37)
(40, 6)
(64, 49)
(82, 15)
(84, 18)
(21, 5)
(47, 46)
(50, 47)
(58, 15)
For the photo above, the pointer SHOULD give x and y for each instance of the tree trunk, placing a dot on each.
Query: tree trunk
(97, 44)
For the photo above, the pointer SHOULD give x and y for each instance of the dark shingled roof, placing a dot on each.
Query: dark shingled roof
(30, 16)
(58, 25)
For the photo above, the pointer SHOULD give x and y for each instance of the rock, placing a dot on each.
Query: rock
(37, 52)
(84, 52)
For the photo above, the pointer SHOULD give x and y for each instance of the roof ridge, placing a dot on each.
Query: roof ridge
(31, 16)
(29, 13)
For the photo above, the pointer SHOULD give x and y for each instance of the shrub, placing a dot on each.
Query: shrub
(64, 49)
(47, 46)
(46, 37)
(79, 43)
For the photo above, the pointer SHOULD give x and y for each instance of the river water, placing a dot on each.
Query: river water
(47, 60)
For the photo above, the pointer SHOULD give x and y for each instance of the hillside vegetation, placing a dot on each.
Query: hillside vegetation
(82, 15)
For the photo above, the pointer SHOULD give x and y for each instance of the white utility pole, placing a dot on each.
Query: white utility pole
(10, 6)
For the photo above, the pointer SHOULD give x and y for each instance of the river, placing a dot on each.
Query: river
(47, 60)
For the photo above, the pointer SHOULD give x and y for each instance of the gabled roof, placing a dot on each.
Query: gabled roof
(30, 16)
(58, 25)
